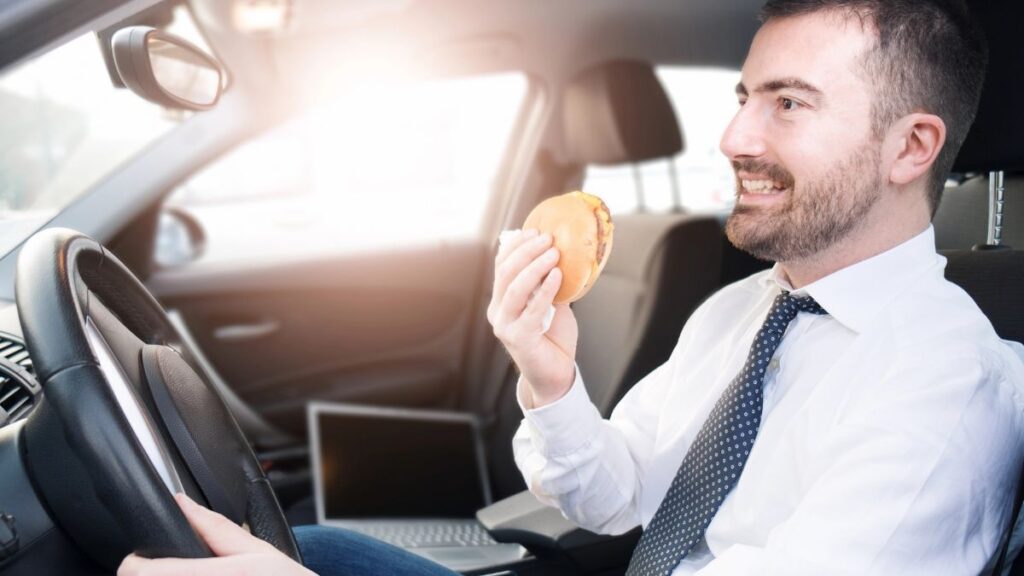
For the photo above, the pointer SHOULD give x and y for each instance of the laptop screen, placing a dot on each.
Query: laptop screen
(381, 462)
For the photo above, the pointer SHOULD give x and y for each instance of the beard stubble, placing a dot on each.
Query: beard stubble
(816, 215)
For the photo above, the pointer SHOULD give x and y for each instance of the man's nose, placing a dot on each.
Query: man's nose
(744, 137)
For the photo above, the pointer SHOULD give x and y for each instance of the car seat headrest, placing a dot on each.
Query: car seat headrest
(994, 142)
(618, 112)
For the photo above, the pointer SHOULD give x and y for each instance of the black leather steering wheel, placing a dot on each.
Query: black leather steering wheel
(127, 417)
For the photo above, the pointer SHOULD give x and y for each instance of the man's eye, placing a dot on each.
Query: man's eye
(788, 104)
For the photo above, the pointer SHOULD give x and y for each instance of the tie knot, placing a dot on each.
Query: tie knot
(789, 305)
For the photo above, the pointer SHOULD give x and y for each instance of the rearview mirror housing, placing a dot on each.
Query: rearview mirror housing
(166, 69)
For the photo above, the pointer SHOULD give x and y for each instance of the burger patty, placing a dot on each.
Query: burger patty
(603, 225)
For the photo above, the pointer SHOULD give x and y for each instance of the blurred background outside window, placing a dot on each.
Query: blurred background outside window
(382, 167)
(705, 101)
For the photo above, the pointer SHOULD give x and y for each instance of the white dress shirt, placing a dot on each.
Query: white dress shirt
(890, 442)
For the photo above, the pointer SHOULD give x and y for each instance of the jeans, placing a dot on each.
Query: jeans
(336, 552)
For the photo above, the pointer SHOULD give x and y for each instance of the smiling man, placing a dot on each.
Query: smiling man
(847, 412)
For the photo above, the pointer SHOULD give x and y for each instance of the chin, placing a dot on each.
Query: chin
(762, 238)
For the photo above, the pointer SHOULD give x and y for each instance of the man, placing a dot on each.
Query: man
(848, 411)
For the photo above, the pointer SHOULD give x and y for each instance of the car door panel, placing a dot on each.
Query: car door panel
(385, 328)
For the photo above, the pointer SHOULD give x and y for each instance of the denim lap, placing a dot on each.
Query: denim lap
(337, 552)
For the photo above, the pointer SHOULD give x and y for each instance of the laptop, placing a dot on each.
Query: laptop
(375, 472)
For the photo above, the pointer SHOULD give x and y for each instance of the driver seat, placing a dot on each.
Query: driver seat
(993, 276)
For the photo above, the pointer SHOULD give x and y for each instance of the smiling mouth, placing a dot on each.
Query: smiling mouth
(762, 187)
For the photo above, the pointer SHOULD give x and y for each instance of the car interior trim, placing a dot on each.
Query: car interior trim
(257, 429)
(132, 409)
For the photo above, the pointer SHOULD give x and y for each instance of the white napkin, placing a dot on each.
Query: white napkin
(507, 235)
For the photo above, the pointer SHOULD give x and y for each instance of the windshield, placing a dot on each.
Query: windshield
(63, 128)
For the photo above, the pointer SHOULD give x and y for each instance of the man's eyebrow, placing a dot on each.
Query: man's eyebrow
(782, 84)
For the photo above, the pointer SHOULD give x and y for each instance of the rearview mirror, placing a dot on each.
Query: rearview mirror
(166, 69)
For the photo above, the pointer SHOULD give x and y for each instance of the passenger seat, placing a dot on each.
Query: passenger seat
(661, 268)
(994, 278)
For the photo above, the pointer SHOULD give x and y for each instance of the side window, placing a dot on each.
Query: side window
(700, 179)
(64, 128)
(377, 169)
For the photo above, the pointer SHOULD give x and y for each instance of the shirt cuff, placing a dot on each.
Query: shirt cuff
(566, 424)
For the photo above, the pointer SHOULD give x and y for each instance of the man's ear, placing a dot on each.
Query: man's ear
(919, 138)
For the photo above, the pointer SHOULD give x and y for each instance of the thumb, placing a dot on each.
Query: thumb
(224, 537)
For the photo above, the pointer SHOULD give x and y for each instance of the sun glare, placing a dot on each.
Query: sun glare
(389, 163)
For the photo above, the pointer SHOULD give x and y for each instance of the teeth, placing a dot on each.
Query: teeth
(761, 186)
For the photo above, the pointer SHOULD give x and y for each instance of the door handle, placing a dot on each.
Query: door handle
(243, 332)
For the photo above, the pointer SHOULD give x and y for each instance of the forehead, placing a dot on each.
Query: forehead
(823, 49)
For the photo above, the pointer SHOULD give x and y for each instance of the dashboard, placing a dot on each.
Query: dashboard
(25, 527)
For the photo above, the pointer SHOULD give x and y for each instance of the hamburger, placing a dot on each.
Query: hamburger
(581, 228)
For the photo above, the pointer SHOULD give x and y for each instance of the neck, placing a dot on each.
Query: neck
(870, 239)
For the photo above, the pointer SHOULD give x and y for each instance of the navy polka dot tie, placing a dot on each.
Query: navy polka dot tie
(714, 462)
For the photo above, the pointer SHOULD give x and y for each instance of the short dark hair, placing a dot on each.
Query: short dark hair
(930, 56)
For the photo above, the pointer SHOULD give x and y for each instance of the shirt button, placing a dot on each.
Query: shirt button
(774, 364)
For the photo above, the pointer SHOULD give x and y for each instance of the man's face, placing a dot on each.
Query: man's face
(807, 164)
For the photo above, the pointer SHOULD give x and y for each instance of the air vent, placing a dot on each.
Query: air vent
(18, 387)
(16, 352)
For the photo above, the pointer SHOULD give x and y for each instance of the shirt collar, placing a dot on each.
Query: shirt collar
(855, 294)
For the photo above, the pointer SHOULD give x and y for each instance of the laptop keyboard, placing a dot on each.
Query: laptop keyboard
(426, 534)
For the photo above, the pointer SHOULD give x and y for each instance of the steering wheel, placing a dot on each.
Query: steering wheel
(128, 417)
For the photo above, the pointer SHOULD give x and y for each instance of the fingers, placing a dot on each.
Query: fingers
(525, 283)
(509, 268)
(223, 536)
(137, 566)
(540, 301)
(239, 553)
(248, 565)
(510, 240)
(522, 249)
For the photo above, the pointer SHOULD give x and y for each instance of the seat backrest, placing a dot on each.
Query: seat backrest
(661, 268)
(992, 278)
(995, 280)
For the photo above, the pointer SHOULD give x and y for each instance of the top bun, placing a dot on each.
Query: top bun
(581, 228)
